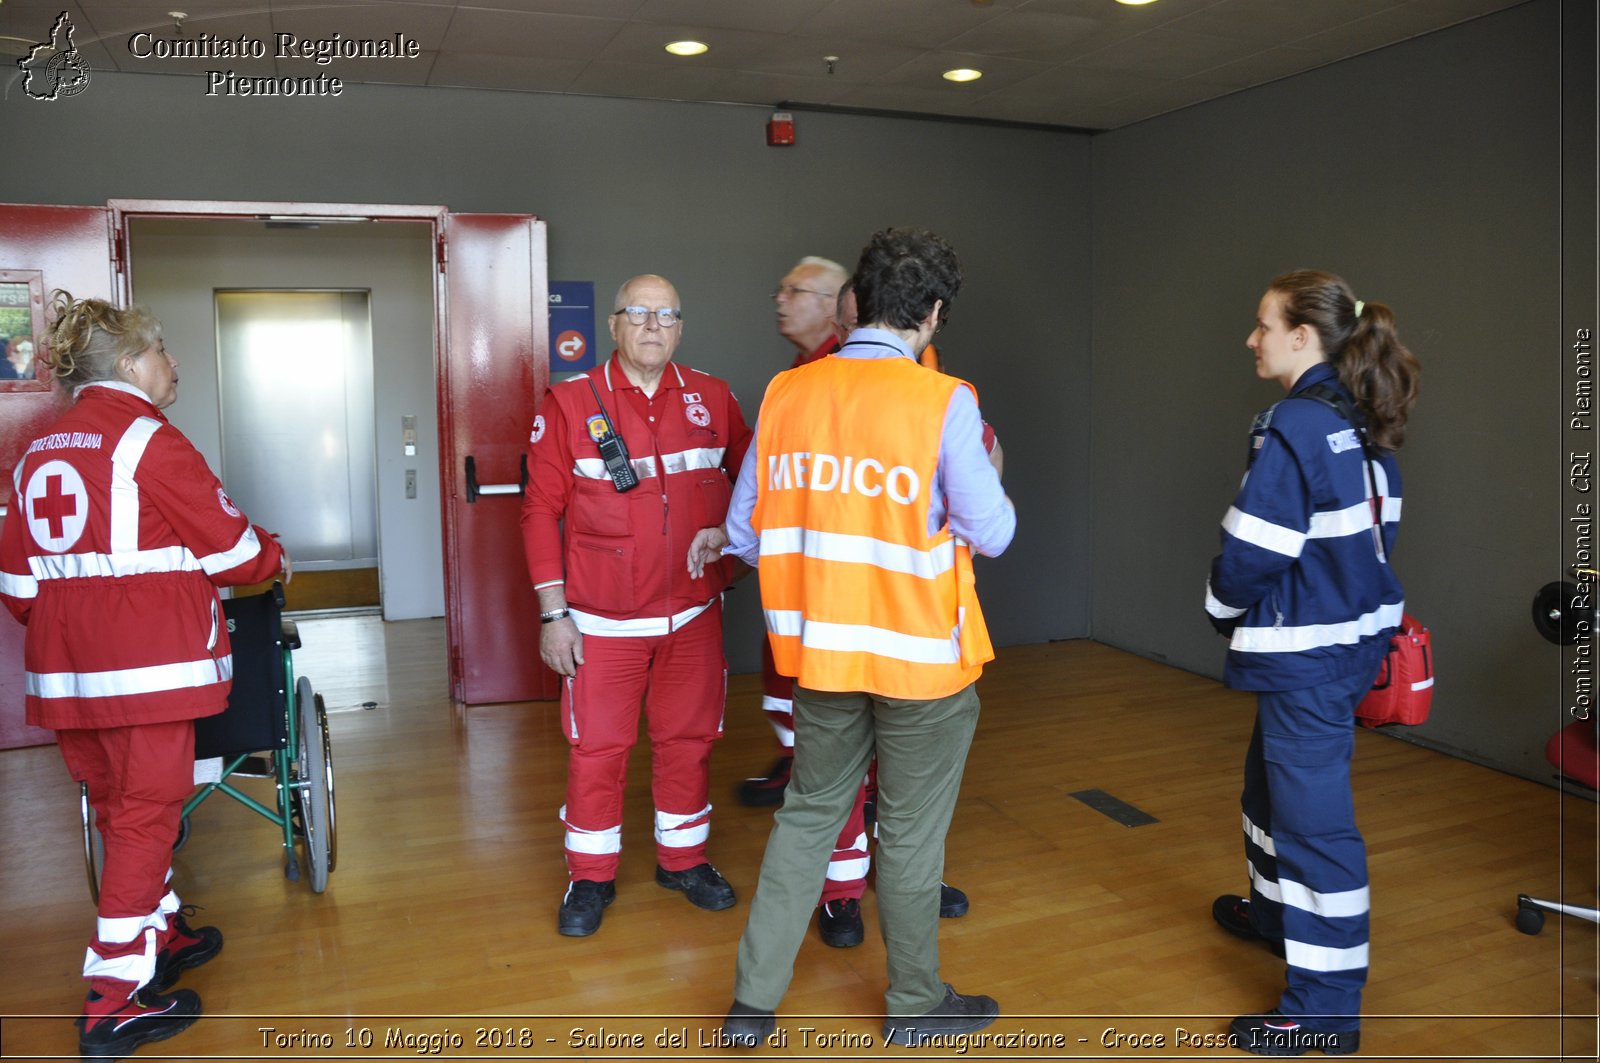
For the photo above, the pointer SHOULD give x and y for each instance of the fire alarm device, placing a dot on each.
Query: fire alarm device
(780, 129)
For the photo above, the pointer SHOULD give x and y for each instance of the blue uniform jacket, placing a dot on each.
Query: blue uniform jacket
(1303, 583)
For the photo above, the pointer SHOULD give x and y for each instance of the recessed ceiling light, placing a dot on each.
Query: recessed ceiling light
(1136, 3)
(688, 48)
(963, 74)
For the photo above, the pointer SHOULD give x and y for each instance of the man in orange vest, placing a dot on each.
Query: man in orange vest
(860, 504)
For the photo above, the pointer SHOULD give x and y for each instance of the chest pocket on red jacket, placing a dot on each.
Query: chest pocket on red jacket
(712, 493)
(600, 555)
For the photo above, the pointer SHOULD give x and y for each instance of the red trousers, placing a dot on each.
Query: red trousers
(681, 680)
(138, 779)
(847, 869)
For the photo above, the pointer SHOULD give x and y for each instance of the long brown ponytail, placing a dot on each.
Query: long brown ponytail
(1361, 343)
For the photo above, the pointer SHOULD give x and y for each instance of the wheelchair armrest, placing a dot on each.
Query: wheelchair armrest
(291, 635)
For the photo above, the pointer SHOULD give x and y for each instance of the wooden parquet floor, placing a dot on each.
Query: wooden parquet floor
(439, 922)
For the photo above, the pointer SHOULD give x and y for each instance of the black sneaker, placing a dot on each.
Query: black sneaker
(109, 1034)
(188, 949)
(956, 1014)
(585, 900)
(1273, 1035)
(746, 1026)
(702, 884)
(1232, 914)
(839, 923)
(953, 904)
(762, 791)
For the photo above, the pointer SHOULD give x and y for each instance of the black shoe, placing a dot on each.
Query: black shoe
(746, 1026)
(839, 923)
(953, 904)
(1232, 914)
(702, 884)
(1273, 1035)
(955, 1015)
(144, 1018)
(188, 949)
(582, 906)
(762, 791)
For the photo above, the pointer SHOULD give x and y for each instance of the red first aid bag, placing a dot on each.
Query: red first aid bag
(1403, 691)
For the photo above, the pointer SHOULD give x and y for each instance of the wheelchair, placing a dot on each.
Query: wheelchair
(275, 727)
(1566, 613)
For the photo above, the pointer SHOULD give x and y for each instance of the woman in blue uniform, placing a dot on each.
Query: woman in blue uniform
(1304, 590)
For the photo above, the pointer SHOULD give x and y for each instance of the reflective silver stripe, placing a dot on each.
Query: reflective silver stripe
(125, 681)
(864, 638)
(1352, 520)
(645, 468)
(1259, 836)
(17, 586)
(1258, 532)
(1321, 958)
(672, 832)
(850, 870)
(1267, 887)
(594, 842)
(246, 548)
(124, 488)
(1316, 636)
(1215, 607)
(133, 563)
(860, 549)
(604, 626)
(1328, 905)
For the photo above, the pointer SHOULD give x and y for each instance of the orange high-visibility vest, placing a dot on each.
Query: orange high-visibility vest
(857, 595)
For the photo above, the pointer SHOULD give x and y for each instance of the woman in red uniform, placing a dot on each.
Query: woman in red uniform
(117, 538)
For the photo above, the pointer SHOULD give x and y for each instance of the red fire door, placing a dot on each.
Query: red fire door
(494, 375)
(40, 248)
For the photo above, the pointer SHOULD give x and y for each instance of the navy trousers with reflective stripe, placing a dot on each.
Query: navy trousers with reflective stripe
(1308, 862)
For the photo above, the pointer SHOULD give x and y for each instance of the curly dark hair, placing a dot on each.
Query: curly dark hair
(901, 274)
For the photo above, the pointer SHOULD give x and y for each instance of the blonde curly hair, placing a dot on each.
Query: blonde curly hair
(86, 337)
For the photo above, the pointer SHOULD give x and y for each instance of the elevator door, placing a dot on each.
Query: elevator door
(295, 374)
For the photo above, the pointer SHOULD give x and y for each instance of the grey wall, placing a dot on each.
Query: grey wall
(691, 191)
(177, 266)
(1427, 175)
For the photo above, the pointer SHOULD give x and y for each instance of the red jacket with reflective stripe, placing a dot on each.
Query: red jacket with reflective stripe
(117, 538)
(624, 555)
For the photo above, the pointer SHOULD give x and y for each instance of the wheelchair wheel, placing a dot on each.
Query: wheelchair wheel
(1530, 920)
(327, 761)
(313, 789)
(94, 849)
(94, 846)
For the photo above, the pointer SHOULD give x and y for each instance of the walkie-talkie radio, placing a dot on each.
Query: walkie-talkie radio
(612, 449)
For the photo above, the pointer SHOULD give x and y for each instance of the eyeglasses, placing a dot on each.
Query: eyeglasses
(789, 291)
(666, 317)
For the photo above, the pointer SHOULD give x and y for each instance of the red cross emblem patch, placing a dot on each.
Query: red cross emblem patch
(57, 506)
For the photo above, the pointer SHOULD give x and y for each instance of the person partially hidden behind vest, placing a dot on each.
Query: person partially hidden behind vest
(629, 461)
(861, 502)
(118, 537)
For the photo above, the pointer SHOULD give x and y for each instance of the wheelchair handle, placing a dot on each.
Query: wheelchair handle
(474, 489)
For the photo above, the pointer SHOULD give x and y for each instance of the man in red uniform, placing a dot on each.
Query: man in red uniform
(805, 301)
(628, 462)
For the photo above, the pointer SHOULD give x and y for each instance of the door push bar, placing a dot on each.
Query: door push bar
(474, 490)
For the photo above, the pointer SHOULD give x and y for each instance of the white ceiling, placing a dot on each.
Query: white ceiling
(1088, 64)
